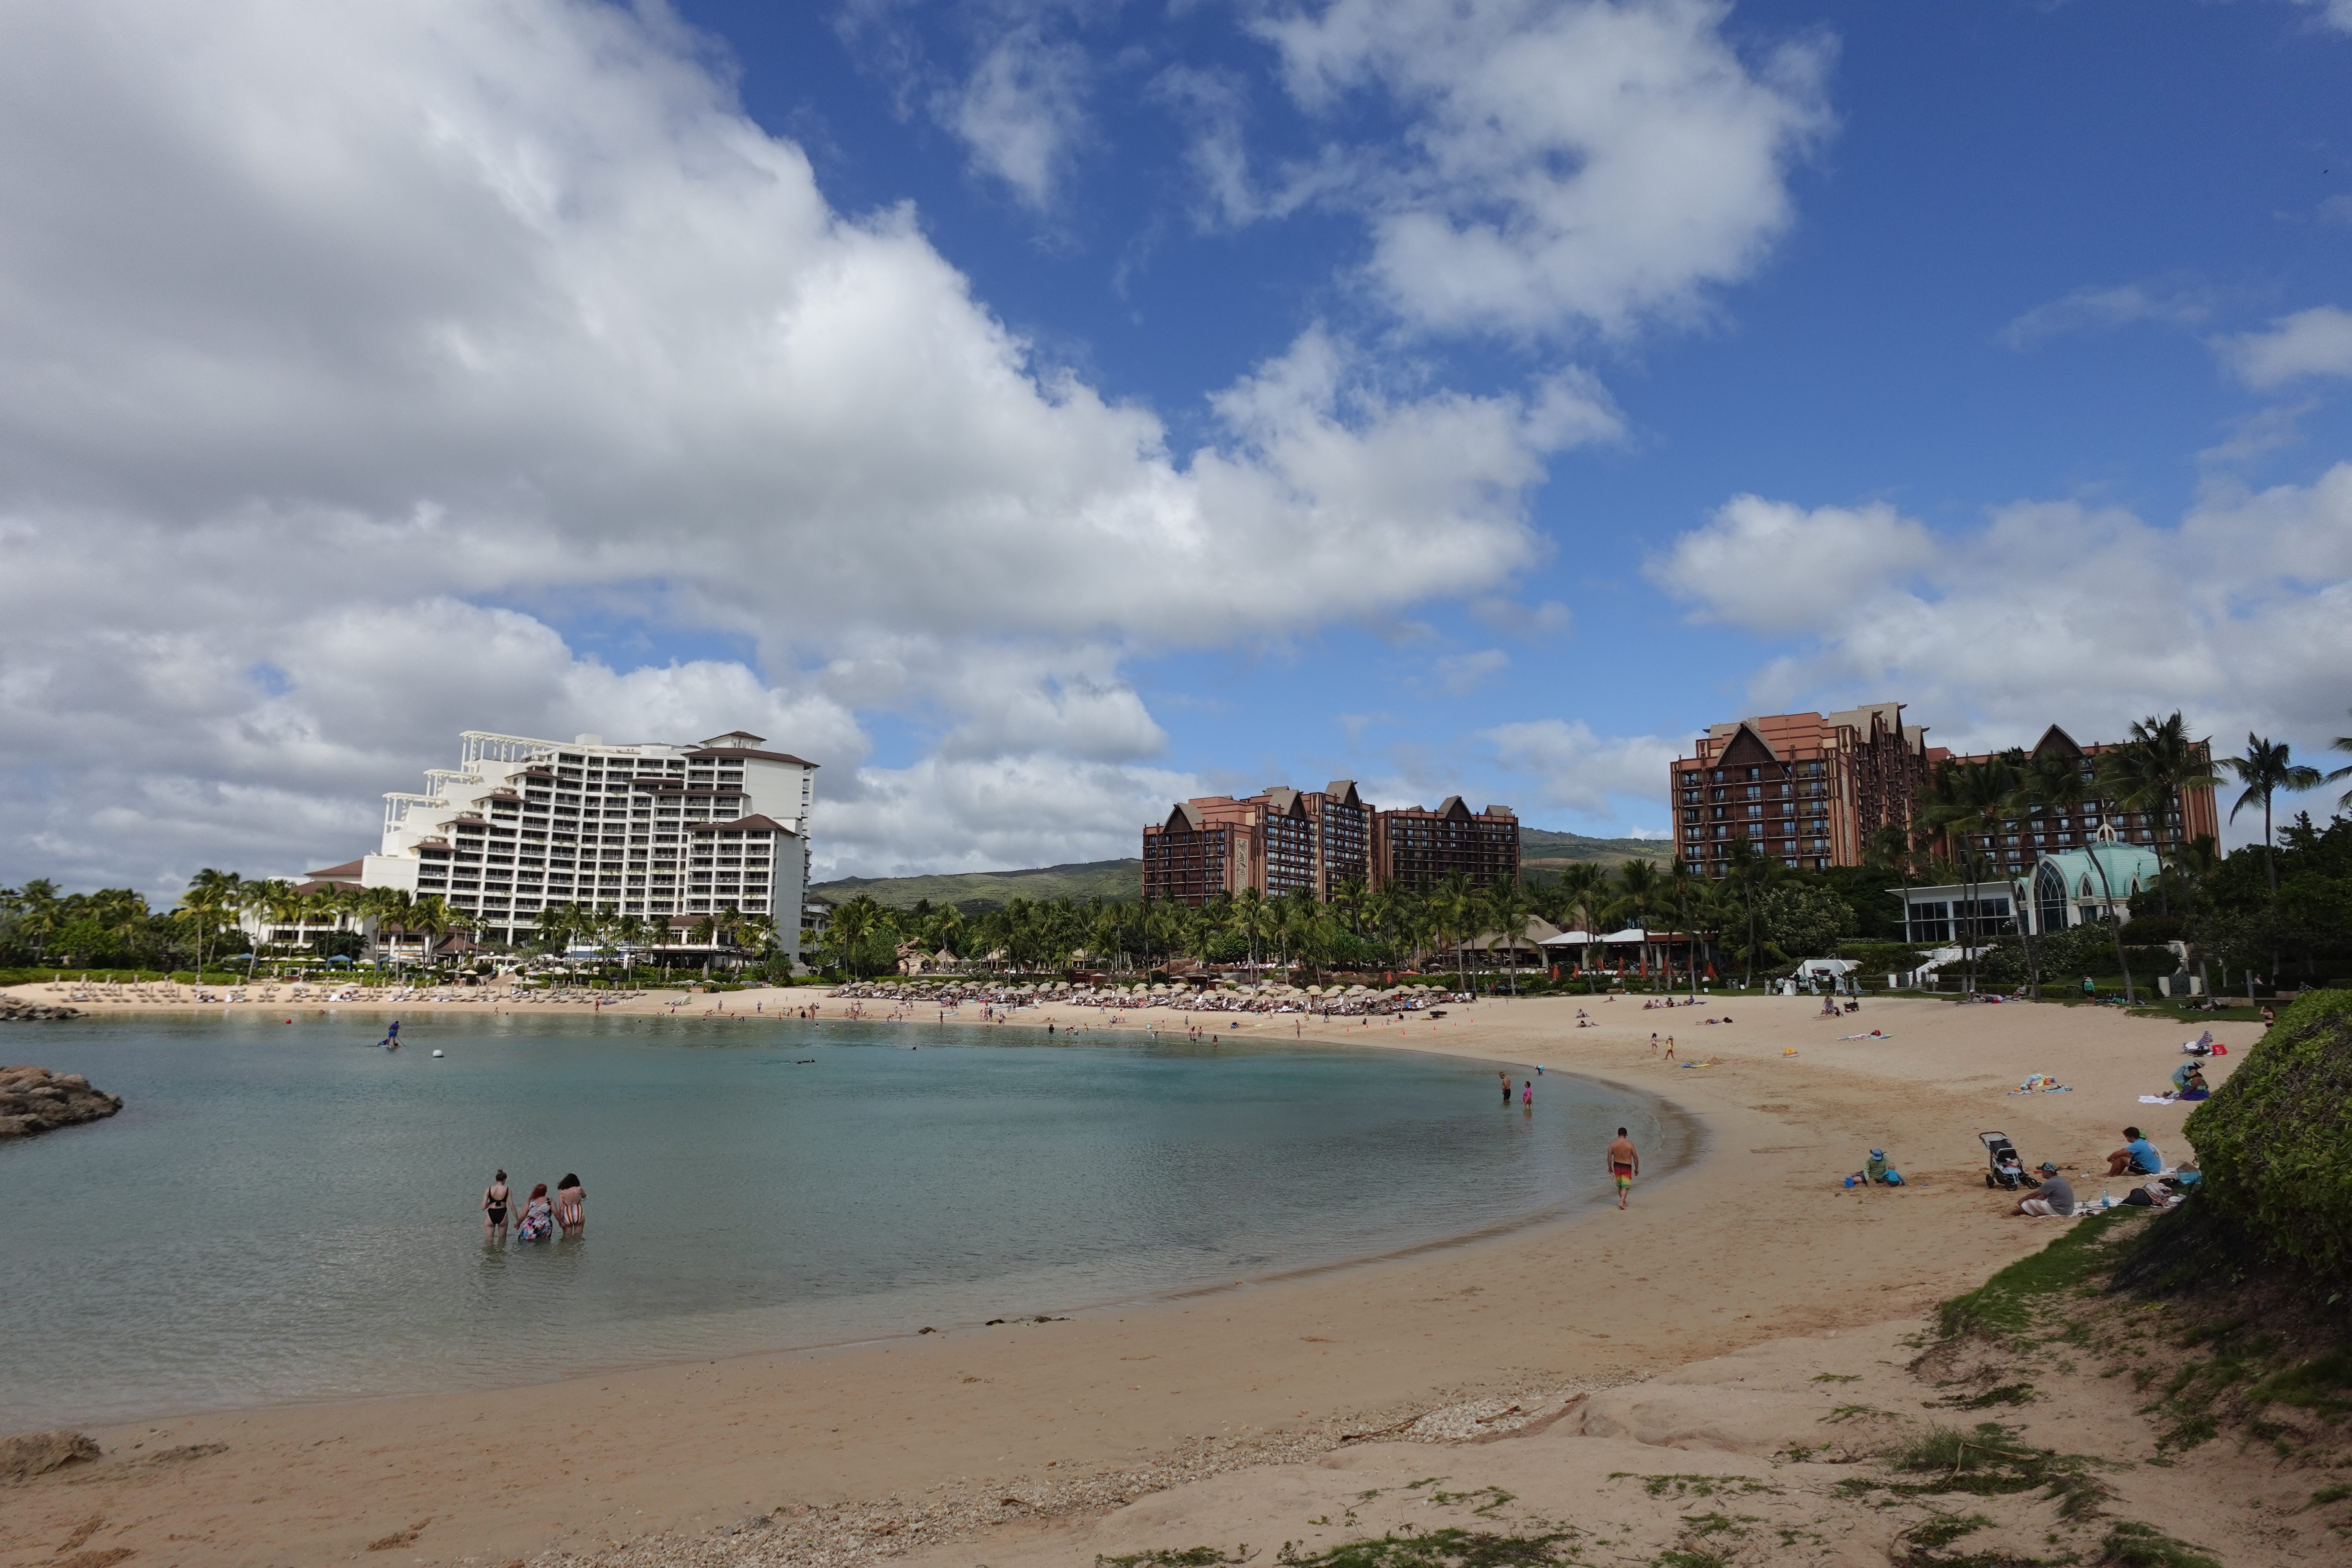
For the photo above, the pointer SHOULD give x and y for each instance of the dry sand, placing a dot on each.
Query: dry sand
(1224, 1412)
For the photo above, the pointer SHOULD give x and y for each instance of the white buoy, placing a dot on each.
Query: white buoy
(437, 1053)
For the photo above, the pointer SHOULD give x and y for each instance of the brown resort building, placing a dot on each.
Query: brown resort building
(1810, 789)
(1284, 840)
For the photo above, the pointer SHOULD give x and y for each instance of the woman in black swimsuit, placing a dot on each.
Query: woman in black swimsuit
(494, 1208)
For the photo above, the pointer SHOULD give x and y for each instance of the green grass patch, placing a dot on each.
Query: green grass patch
(2326, 1495)
(1990, 1462)
(2323, 1384)
(1923, 1546)
(1433, 1548)
(2007, 1393)
(2005, 1303)
(1683, 1486)
(1189, 1557)
(2133, 1545)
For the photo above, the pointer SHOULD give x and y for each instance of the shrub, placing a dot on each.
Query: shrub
(2275, 1144)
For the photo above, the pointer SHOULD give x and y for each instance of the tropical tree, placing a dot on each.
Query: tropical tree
(211, 897)
(2341, 743)
(2156, 769)
(1747, 872)
(1637, 896)
(1509, 908)
(2266, 768)
(1970, 801)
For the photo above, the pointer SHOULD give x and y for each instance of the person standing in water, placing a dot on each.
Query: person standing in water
(1527, 1095)
(1507, 1086)
(1624, 1164)
(572, 1207)
(495, 1199)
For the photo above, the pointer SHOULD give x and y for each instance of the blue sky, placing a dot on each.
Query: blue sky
(1130, 400)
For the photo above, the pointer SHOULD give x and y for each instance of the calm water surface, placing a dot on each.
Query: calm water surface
(285, 1213)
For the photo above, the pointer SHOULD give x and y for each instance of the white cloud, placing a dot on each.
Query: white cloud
(2317, 341)
(328, 326)
(1565, 166)
(1461, 673)
(2094, 308)
(2241, 614)
(2336, 14)
(946, 814)
(1023, 110)
(1574, 769)
(1773, 567)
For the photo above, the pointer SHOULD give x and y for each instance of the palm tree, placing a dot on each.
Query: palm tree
(1637, 891)
(1751, 870)
(2054, 782)
(2154, 771)
(1510, 908)
(2341, 743)
(2264, 770)
(1970, 801)
(210, 894)
(1682, 893)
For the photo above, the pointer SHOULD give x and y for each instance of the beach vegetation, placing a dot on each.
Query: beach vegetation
(1440, 1549)
(2008, 1302)
(2129, 1544)
(2276, 1144)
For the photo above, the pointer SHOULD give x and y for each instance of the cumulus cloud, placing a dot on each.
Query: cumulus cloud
(1566, 167)
(2317, 341)
(1023, 110)
(1773, 567)
(1574, 769)
(354, 350)
(2240, 612)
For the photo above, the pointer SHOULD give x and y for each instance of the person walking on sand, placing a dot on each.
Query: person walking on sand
(1624, 1164)
(572, 1207)
(1670, 1048)
(495, 1199)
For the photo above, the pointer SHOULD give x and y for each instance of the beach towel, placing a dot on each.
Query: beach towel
(2043, 1083)
(1874, 1035)
(2158, 1099)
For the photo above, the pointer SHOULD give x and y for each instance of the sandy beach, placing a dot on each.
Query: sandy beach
(1032, 1432)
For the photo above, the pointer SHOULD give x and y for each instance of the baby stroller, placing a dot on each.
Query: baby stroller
(2008, 1166)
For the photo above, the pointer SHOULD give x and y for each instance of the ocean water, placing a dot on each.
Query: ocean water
(284, 1212)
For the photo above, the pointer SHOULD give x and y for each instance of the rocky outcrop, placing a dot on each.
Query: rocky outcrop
(34, 1100)
(13, 1011)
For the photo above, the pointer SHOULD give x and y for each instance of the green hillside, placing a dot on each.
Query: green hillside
(1541, 849)
(1119, 880)
(971, 891)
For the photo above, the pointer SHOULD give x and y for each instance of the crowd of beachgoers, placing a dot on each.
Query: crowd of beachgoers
(1336, 1001)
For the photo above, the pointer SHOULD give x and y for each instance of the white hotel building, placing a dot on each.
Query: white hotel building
(659, 831)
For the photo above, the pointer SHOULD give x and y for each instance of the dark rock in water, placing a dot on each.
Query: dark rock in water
(39, 1452)
(34, 1100)
(14, 1012)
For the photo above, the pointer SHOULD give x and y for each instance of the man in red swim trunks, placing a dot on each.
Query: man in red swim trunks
(1624, 1164)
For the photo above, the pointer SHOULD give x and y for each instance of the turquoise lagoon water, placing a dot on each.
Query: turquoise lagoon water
(284, 1212)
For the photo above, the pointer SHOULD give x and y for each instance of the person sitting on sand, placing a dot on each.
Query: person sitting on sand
(2137, 1156)
(572, 1207)
(2056, 1198)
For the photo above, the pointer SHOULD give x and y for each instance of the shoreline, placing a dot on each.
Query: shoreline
(1754, 1241)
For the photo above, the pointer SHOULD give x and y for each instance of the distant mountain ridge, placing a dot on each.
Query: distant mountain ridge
(973, 890)
(1540, 850)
